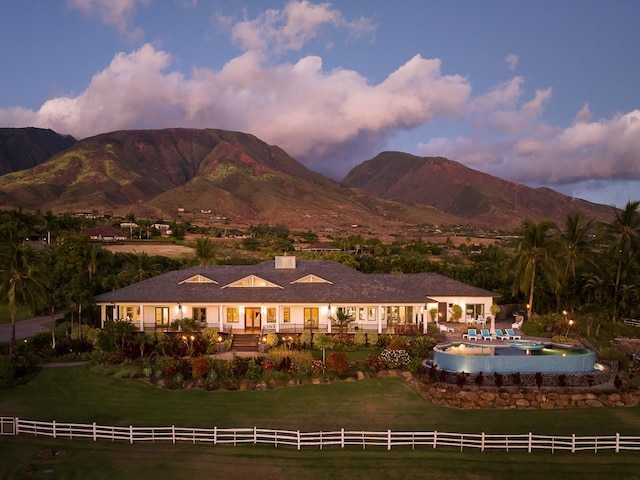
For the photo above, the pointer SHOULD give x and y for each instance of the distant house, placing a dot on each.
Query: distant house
(290, 295)
(320, 247)
(105, 234)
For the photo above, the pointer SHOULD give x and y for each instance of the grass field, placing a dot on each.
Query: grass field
(75, 394)
(22, 313)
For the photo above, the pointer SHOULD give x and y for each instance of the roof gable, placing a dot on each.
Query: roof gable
(252, 281)
(198, 279)
(311, 278)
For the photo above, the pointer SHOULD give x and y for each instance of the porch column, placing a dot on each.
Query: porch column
(380, 315)
(103, 314)
(141, 317)
(220, 318)
(278, 314)
(328, 319)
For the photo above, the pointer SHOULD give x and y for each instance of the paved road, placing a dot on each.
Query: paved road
(25, 328)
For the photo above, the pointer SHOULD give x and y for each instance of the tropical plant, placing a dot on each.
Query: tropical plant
(625, 234)
(535, 249)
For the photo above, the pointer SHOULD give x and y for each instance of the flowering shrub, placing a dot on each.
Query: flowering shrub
(268, 365)
(305, 339)
(395, 358)
(317, 366)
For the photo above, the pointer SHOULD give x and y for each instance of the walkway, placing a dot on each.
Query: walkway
(26, 328)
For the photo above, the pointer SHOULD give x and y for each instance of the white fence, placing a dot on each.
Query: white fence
(338, 438)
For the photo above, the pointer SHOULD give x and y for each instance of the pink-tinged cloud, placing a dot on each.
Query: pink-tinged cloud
(607, 149)
(116, 13)
(293, 26)
(300, 107)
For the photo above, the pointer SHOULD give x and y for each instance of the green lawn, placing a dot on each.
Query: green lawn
(22, 313)
(75, 394)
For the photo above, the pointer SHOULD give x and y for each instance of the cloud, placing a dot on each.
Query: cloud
(295, 25)
(301, 107)
(512, 61)
(116, 13)
(587, 151)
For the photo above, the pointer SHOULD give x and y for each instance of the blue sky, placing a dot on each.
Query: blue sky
(540, 93)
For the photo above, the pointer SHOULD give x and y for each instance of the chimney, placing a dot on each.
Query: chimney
(285, 262)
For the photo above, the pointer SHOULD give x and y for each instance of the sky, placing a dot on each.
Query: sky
(542, 93)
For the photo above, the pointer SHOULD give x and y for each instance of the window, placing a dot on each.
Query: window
(162, 316)
(232, 315)
(286, 314)
(311, 316)
(199, 314)
(132, 314)
(474, 309)
(271, 315)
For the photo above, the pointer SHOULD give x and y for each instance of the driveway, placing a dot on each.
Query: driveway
(25, 328)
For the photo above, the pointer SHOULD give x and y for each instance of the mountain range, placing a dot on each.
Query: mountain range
(210, 173)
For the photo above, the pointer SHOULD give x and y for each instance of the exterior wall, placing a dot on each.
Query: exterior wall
(463, 302)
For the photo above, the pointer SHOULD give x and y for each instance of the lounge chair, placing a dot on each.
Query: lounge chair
(518, 323)
(445, 329)
(471, 334)
(512, 334)
(486, 335)
(501, 335)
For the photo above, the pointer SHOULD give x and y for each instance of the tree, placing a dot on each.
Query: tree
(139, 266)
(19, 274)
(575, 246)
(131, 219)
(535, 250)
(343, 319)
(625, 233)
(205, 251)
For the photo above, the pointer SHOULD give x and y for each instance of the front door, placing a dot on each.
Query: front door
(252, 318)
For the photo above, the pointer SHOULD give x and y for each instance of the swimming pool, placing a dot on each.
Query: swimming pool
(518, 356)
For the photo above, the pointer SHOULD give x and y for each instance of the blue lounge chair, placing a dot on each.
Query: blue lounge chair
(512, 334)
(471, 334)
(486, 335)
(501, 335)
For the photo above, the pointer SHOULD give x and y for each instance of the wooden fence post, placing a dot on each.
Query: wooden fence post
(131, 434)
(298, 439)
(617, 443)
(342, 438)
(16, 426)
(435, 438)
(388, 439)
(215, 435)
(530, 438)
(482, 444)
(53, 426)
(94, 431)
(173, 433)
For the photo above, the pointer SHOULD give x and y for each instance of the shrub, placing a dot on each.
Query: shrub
(516, 379)
(374, 363)
(498, 379)
(211, 334)
(562, 339)
(539, 379)
(395, 358)
(305, 339)
(99, 356)
(272, 339)
(360, 338)
(320, 340)
(7, 372)
(317, 366)
(200, 367)
(238, 367)
(372, 339)
(461, 381)
(479, 379)
(419, 347)
(398, 342)
(337, 362)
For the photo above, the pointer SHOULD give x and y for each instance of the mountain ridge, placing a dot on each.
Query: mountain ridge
(157, 173)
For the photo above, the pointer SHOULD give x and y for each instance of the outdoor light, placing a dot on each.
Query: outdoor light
(219, 338)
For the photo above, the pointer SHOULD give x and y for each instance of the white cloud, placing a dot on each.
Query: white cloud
(512, 61)
(295, 25)
(116, 13)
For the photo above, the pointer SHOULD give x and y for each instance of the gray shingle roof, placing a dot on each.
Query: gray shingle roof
(346, 286)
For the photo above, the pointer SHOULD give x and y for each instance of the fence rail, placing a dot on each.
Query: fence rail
(336, 438)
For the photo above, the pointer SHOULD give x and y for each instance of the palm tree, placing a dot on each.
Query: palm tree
(205, 251)
(625, 232)
(19, 274)
(131, 218)
(139, 266)
(575, 246)
(535, 250)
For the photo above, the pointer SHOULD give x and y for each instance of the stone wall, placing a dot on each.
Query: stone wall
(455, 397)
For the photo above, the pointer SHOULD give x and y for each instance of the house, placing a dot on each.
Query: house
(288, 295)
(105, 234)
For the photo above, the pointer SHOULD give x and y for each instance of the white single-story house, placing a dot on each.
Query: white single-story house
(290, 295)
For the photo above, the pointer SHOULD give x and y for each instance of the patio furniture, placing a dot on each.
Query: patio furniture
(512, 334)
(486, 335)
(501, 335)
(518, 323)
(445, 329)
(471, 334)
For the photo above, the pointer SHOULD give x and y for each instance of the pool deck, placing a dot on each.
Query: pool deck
(459, 329)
